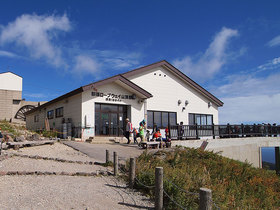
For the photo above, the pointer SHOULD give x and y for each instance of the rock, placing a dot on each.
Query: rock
(11, 173)
(21, 173)
(3, 173)
(48, 173)
(35, 137)
(19, 138)
(16, 147)
(64, 173)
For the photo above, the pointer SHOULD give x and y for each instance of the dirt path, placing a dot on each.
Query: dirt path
(84, 191)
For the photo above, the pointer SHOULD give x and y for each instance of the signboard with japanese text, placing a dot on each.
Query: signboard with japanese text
(114, 97)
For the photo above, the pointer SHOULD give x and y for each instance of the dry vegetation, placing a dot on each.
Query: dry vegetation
(235, 185)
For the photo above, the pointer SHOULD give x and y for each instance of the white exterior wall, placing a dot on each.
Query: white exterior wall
(88, 106)
(10, 81)
(71, 109)
(167, 90)
(164, 85)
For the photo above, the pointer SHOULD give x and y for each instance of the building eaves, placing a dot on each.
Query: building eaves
(67, 95)
(120, 78)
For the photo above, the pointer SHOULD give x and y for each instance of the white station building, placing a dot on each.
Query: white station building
(158, 92)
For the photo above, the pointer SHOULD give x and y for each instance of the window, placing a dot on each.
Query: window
(161, 119)
(36, 118)
(50, 114)
(16, 101)
(200, 119)
(59, 112)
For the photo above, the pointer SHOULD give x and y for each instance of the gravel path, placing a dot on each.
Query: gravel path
(56, 150)
(62, 192)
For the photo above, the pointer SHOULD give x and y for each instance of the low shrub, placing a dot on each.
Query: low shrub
(234, 184)
(9, 128)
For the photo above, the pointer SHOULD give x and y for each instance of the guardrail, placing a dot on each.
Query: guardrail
(183, 132)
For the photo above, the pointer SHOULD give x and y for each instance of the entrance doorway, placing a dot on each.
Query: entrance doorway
(110, 119)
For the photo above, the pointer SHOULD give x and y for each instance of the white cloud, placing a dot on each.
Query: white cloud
(37, 35)
(85, 64)
(249, 85)
(35, 95)
(211, 60)
(270, 65)
(251, 109)
(7, 54)
(119, 60)
(251, 97)
(274, 42)
(93, 61)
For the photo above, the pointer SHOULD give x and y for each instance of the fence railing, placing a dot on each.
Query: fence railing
(183, 132)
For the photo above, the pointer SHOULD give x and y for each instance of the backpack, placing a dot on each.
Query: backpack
(130, 127)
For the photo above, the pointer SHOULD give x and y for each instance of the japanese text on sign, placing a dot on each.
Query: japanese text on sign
(113, 97)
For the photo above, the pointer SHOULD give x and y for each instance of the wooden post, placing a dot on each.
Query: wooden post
(242, 130)
(107, 156)
(116, 164)
(277, 160)
(213, 130)
(205, 198)
(159, 188)
(132, 172)
(196, 130)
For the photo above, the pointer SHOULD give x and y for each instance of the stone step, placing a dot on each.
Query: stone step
(106, 140)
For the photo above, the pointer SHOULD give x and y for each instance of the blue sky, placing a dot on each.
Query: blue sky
(231, 48)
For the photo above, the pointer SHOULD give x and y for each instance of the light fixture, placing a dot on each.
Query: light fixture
(209, 104)
(186, 102)
(179, 102)
(183, 108)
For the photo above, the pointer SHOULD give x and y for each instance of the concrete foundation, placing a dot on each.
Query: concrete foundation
(242, 149)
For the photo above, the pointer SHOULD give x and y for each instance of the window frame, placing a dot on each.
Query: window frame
(36, 118)
(50, 116)
(200, 115)
(16, 101)
(59, 112)
(161, 121)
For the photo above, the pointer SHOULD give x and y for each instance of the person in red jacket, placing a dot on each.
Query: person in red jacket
(157, 135)
(166, 132)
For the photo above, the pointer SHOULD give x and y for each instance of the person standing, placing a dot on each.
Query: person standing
(128, 130)
(141, 130)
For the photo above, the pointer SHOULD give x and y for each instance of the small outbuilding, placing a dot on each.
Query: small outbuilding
(158, 92)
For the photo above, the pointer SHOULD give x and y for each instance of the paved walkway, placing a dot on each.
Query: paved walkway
(98, 151)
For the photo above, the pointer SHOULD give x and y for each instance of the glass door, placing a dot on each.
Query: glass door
(105, 123)
(109, 119)
(113, 124)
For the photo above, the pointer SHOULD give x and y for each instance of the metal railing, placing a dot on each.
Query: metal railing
(184, 132)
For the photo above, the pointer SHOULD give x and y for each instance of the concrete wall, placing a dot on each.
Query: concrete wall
(167, 89)
(10, 81)
(242, 149)
(7, 108)
(71, 109)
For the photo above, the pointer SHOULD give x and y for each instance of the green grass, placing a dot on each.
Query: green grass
(48, 133)
(10, 128)
(235, 185)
